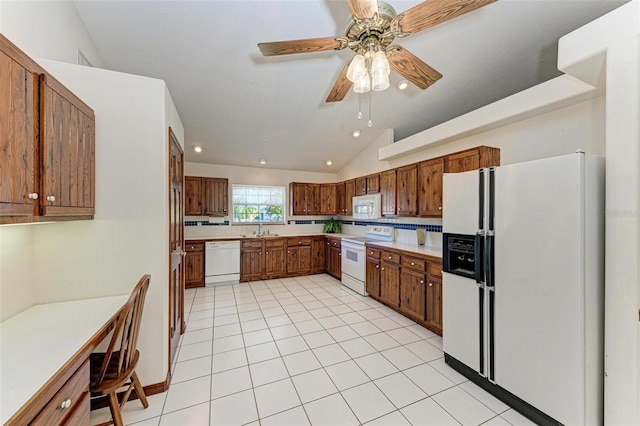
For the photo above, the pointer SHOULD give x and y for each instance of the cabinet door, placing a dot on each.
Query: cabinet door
(413, 293)
(317, 255)
(216, 196)
(390, 283)
(434, 305)
(193, 196)
(313, 199)
(340, 200)
(328, 199)
(462, 161)
(251, 264)
(388, 191)
(336, 261)
(373, 183)
(274, 265)
(349, 193)
(304, 259)
(372, 277)
(18, 131)
(430, 188)
(361, 185)
(67, 136)
(407, 190)
(297, 198)
(194, 269)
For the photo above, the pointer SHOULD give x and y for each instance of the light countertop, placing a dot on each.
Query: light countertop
(249, 236)
(37, 342)
(411, 247)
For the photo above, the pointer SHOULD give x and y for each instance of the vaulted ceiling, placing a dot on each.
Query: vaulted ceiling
(241, 106)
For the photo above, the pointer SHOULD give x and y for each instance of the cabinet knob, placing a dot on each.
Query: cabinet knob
(65, 404)
(389, 257)
(377, 266)
(33, 196)
(382, 269)
(421, 281)
(51, 198)
(440, 208)
(412, 264)
(267, 253)
(430, 284)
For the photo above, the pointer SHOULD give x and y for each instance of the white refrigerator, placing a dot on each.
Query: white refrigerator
(523, 284)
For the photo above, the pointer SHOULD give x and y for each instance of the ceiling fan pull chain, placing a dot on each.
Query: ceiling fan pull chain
(359, 106)
(370, 123)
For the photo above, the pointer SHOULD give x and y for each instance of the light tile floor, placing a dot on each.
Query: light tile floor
(306, 350)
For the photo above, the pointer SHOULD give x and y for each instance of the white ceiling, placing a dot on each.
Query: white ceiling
(241, 106)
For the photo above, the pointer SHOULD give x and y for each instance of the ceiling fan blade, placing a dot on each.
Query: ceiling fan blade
(430, 13)
(342, 85)
(411, 67)
(302, 46)
(362, 9)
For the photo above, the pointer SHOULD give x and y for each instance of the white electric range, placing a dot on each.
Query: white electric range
(354, 259)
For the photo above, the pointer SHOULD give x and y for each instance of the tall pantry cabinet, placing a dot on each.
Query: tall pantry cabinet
(47, 142)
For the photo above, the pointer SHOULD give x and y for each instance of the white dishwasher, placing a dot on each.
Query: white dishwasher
(222, 262)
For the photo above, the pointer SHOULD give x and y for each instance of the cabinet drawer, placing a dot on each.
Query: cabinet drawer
(333, 242)
(435, 269)
(66, 400)
(252, 244)
(390, 257)
(274, 243)
(414, 263)
(292, 242)
(192, 246)
(375, 253)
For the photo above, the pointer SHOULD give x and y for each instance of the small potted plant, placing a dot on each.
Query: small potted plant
(332, 226)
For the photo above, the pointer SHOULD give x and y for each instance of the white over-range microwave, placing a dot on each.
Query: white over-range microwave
(367, 206)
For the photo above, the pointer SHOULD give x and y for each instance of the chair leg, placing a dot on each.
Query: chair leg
(139, 390)
(114, 406)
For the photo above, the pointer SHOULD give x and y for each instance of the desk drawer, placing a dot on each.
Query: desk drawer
(69, 400)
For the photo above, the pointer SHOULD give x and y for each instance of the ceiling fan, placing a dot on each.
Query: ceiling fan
(372, 28)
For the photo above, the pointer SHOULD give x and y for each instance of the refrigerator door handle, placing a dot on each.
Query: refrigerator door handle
(481, 200)
(478, 260)
(492, 197)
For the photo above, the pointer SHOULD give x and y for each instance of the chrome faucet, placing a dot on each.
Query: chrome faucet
(259, 228)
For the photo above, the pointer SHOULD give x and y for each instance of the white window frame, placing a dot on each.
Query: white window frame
(270, 187)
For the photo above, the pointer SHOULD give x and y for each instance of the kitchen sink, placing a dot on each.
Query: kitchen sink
(266, 235)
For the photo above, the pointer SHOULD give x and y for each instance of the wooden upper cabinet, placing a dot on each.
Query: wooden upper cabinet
(193, 195)
(328, 199)
(430, 188)
(407, 190)
(298, 198)
(47, 140)
(472, 159)
(373, 183)
(361, 185)
(340, 200)
(388, 191)
(18, 136)
(67, 137)
(216, 196)
(313, 198)
(349, 193)
(206, 196)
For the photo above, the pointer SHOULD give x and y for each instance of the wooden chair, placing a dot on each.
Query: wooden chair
(115, 368)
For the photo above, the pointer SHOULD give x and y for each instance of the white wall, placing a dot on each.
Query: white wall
(16, 269)
(580, 126)
(47, 29)
(129, 235)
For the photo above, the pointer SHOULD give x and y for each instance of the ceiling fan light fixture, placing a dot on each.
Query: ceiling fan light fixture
(379, 80)
(357, 68)
(362, 84)
(380, 62)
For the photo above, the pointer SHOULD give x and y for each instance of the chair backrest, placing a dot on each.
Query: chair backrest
(125, 335)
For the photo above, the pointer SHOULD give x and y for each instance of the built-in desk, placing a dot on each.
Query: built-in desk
(43, 357)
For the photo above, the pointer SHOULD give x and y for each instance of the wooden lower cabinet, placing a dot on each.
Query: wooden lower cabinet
(298, 256)
(333, 257)
(407, 282)
(251, 260)
(194, 264)
(274, 258)
(317, 255)
(434, 297)
(390, 278)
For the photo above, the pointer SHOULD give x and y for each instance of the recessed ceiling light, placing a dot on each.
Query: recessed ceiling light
(403, 84)
(197, 148)
(356, 133)
(329, 162)
(263, 161)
